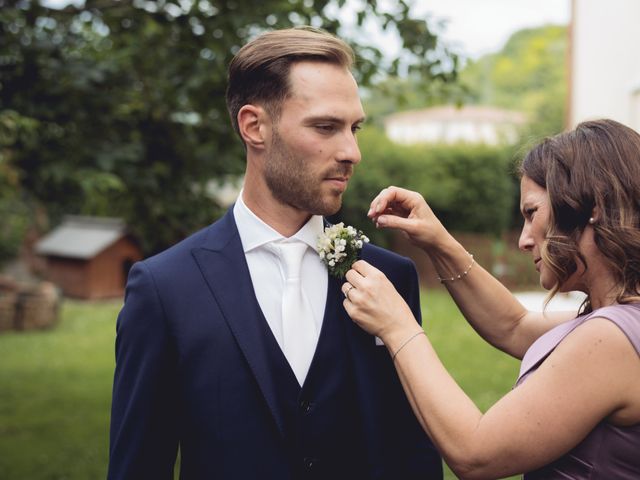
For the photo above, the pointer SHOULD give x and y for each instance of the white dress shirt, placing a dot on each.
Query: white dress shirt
(267, 272)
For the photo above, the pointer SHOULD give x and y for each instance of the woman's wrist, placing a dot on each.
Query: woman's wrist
(442, 245)
(395, 339)
(450, 259)
(413, 336)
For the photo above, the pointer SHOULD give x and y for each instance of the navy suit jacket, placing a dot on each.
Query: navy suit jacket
(191, 372)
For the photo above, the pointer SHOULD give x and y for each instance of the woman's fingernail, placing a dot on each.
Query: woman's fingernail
(381, 220)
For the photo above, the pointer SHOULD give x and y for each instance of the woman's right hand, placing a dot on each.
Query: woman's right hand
(408, 211)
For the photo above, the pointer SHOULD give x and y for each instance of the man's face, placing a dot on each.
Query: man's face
(313, 148)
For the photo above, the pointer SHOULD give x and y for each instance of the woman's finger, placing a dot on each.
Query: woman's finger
(364, 268)
(349, 308)
(394, 221)
(395, 200)
(378, 202)
(354, 278)
(346, 287)
(383, 200)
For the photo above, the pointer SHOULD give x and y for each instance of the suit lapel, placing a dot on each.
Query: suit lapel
(224, 267)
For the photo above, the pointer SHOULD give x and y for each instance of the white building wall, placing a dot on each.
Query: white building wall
(451, 131)
(606, 61)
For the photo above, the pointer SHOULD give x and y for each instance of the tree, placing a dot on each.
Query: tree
(127, 98)
(412, 92)
(528, 74)
(14, 208)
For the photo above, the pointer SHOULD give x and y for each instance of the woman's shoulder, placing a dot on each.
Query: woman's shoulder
(624, 310)
(626, 317)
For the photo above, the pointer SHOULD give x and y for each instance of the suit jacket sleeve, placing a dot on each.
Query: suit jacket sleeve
(415, 455)
(144, 435)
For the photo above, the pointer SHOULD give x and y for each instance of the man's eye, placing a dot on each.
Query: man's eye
(356, 128)
(325, 128)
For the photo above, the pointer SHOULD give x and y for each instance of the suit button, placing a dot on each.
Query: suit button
(310, 463)
(306, 406)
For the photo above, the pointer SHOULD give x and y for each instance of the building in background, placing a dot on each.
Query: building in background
(449, 124)
(89, 257)
(604, 61)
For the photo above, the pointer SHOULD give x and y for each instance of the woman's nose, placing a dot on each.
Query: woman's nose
(525, 242)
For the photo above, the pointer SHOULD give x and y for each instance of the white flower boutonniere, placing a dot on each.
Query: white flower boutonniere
(339, 246)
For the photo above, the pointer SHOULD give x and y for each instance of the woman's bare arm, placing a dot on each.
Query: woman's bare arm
(486, 304)
(533, 424)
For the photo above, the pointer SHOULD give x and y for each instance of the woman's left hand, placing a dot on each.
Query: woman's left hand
(373, 303)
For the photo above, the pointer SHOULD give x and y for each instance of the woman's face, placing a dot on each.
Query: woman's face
(535, 208)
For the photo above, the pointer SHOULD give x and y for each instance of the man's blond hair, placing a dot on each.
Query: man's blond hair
(259, 73)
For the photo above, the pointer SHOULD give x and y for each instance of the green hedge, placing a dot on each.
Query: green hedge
(16, 218)
(470, 187)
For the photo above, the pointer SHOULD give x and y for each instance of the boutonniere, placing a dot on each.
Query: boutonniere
(339, 246)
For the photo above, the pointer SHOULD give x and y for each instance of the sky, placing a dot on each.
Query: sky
(474, 27)
(470, 28)
(477, 27)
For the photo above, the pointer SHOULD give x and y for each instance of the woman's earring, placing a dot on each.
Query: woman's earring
(592, 221)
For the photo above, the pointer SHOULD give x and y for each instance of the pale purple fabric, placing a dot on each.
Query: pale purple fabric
(608, 452)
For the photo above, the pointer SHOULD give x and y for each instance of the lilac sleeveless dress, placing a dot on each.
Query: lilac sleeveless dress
(608, 452)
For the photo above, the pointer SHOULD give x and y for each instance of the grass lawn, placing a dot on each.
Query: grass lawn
(55, 395)
(55, 386)
(483, 372)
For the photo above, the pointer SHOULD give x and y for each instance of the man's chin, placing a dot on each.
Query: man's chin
(333, 205)
(326, 209)
(327, 212)
(330, 204)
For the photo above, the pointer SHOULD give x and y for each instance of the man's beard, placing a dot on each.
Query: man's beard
(291, 182)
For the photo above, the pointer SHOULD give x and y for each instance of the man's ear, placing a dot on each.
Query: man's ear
(253, 125)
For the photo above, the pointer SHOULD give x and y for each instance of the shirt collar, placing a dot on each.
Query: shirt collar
(255, 233)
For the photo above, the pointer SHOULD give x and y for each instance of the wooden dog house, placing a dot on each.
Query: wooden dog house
(89, 257)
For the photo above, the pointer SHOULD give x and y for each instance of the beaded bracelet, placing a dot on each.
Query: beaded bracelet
(460, 275)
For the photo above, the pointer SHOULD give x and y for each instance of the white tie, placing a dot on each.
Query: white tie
(298, 327)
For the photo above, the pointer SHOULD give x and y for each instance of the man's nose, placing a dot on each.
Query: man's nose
(349, 150)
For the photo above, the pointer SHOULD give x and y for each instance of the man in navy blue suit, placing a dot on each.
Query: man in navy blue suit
(208, 361)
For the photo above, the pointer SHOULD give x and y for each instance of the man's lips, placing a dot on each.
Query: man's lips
(341, 181)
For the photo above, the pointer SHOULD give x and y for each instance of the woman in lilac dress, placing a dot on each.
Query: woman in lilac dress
(575, 411)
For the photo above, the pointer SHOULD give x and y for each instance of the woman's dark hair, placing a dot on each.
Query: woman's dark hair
(596, 166)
